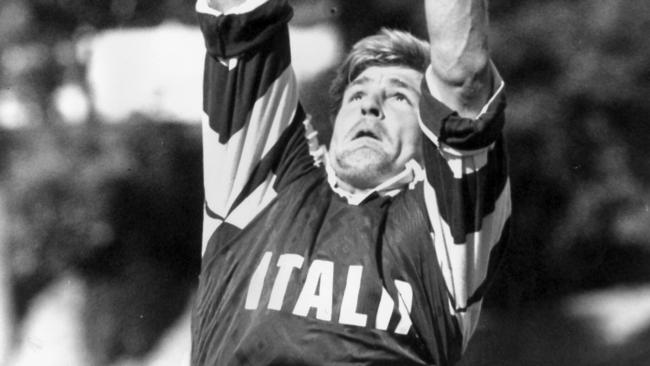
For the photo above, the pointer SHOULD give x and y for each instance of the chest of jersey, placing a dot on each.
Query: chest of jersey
(313, 278)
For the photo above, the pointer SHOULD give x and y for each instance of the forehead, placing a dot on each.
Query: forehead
(398, 76)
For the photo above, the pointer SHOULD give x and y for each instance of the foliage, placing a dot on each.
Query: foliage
(578, 80)
(119, 206)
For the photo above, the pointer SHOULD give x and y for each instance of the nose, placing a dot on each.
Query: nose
(371, 107)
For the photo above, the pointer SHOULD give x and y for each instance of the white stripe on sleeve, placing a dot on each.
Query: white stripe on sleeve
(228, 167)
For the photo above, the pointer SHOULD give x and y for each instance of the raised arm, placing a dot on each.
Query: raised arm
(460, 63)
(466, 188)
(253, 124)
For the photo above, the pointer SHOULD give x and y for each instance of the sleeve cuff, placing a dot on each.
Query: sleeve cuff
(497, 85)
(233, 34)
(462, 136)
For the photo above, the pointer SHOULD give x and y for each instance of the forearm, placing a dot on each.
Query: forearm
(458, 32)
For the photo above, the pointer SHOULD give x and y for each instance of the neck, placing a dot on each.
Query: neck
(350, 188)
(407, 179)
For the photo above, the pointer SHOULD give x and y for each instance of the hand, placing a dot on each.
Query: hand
(224, 5)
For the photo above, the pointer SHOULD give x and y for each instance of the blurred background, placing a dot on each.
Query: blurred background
(101, 191)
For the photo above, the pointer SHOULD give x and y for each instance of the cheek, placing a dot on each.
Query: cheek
(410, 135)
(411, 145)
(407, 127)
(413, 131)
(338, 129)
(411, 140)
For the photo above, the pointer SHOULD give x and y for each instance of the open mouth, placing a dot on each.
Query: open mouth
(365, 133)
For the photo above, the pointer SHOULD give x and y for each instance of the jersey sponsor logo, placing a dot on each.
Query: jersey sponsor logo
(317, 293)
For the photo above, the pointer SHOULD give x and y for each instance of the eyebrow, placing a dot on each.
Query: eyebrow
(391, 81)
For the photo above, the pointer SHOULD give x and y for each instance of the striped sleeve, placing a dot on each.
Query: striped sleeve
(253, 125)
(467, 196)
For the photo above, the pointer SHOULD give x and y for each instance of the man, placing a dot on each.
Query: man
(377, 251)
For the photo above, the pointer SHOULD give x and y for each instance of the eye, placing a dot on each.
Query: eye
(355, 97)
(401, 98)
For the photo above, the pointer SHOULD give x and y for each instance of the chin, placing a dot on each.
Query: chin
(361, 180)
(363, 171)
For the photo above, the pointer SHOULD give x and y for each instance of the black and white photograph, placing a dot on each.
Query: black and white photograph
(324, 182)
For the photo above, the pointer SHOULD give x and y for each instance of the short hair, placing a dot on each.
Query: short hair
(388, 47)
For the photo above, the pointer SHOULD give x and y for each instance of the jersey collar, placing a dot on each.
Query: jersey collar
(406, 179)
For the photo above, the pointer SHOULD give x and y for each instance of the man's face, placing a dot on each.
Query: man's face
(376, 130)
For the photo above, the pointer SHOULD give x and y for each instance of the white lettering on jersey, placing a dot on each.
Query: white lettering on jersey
(384, 311)
(405, 301)
(286, 263)
(317, 291)
(257, 282)
(386, 306)
(349, 313)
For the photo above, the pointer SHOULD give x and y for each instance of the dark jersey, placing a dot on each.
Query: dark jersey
(295, 273)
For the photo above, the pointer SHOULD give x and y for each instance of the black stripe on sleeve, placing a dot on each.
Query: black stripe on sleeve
(232, 35)
(458, 132)
(229, 95)
(211, 213)
(461, 204)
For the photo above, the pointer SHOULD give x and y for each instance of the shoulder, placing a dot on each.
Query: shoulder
(407, 219)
